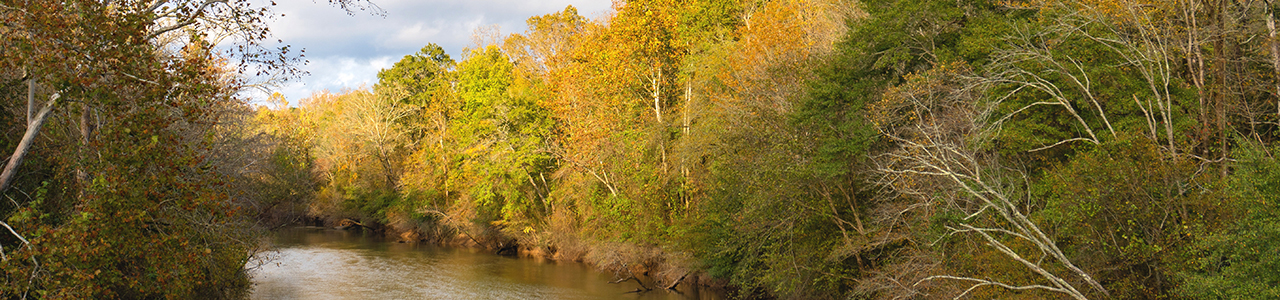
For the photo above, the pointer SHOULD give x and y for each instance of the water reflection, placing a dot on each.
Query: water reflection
(329, 264)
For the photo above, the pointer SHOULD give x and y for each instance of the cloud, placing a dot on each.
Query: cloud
(348, 50)
(416, 36)
(336, 73)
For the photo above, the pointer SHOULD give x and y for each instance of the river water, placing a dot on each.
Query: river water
(316, 263)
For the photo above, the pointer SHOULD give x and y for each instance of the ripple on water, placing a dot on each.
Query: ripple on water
(317, 264)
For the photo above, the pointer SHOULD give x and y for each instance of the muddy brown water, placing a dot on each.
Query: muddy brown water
(318, 263)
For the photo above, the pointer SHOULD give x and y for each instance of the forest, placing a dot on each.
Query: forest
(789, 149)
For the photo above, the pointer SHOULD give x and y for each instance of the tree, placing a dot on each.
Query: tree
(939, 128)
(374, 122)
(547, 43)
(775, 211)
(418, 77)
(152, 167)
(504, 131)
(426, 81)
(360, 145)
(55, 54)
(142, 163)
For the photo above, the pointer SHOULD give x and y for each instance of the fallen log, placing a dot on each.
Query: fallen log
(677, 282)
(348, 223)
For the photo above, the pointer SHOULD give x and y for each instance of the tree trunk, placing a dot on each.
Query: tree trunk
(1275, 55)
(657, 93)
(684, 159)
(31, 99)
(387, 170)
(1222, 63)
(605, 180)
(33, 129)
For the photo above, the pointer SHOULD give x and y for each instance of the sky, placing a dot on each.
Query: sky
(346, 51)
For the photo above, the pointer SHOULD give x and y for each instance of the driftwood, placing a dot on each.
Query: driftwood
(630, 276)
(641, 289)
(673, 285)
(348, 223)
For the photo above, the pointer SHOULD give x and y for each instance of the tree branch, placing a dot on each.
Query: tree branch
(984, 282)
(1063, 142)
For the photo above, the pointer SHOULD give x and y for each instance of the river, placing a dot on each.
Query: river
(316, 263)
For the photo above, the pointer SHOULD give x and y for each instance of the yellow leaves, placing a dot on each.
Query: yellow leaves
(766, 66)
(479, 148)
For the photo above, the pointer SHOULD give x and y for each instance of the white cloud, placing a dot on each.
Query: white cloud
(336, 73)
(346, 51)
(418, 35)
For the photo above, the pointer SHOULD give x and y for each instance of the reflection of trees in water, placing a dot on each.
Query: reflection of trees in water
(334, 264)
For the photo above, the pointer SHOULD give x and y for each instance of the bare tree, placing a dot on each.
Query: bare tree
(375, 122)
(939, 160)
(1137, 36)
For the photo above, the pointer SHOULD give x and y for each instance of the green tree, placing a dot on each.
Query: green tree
(418, 77)
(504, 130)
(1240, 262)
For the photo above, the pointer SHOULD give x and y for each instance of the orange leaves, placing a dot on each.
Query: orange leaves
(765, 69)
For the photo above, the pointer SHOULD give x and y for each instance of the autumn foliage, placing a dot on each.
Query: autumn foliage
(827, 149)
(131, 169)
(793, 149)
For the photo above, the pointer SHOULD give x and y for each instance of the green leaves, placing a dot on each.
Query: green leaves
(1240, 261)
(418, 78)
(505, 130)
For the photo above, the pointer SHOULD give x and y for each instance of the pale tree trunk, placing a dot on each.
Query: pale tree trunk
(603, 177)
(1195, 63)
(1275, 55)
(656, 81)
(444, 164)
(86, 128)
(684, 127)
(33, 129)
(656, 92)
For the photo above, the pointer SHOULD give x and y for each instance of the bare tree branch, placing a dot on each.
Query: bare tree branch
(983, 282)
(939, 151)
